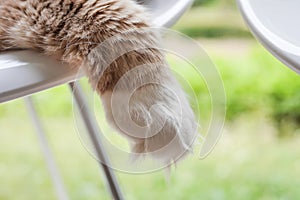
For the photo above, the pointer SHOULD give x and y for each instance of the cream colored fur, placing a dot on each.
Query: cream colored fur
(159, 120)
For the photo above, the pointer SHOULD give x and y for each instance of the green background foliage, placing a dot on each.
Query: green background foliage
(258, 156)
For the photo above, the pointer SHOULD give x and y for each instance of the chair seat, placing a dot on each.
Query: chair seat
(26, 72)
(276, 24)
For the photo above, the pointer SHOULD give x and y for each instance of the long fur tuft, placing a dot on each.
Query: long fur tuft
(155, 115)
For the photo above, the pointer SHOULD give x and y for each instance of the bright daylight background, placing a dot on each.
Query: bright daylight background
(258, 156)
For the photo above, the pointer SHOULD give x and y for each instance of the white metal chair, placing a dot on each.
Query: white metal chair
(276, 24)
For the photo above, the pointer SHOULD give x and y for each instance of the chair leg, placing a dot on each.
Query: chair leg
(93, 131)
(50, 161)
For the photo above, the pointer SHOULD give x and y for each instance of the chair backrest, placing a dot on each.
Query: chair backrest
(276, 24)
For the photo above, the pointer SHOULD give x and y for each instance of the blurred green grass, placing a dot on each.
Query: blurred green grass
(249, 162)
(212, 22)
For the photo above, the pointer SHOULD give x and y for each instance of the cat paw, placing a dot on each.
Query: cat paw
(156, 118)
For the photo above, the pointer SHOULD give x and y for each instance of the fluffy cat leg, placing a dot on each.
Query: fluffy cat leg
(156, 117)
